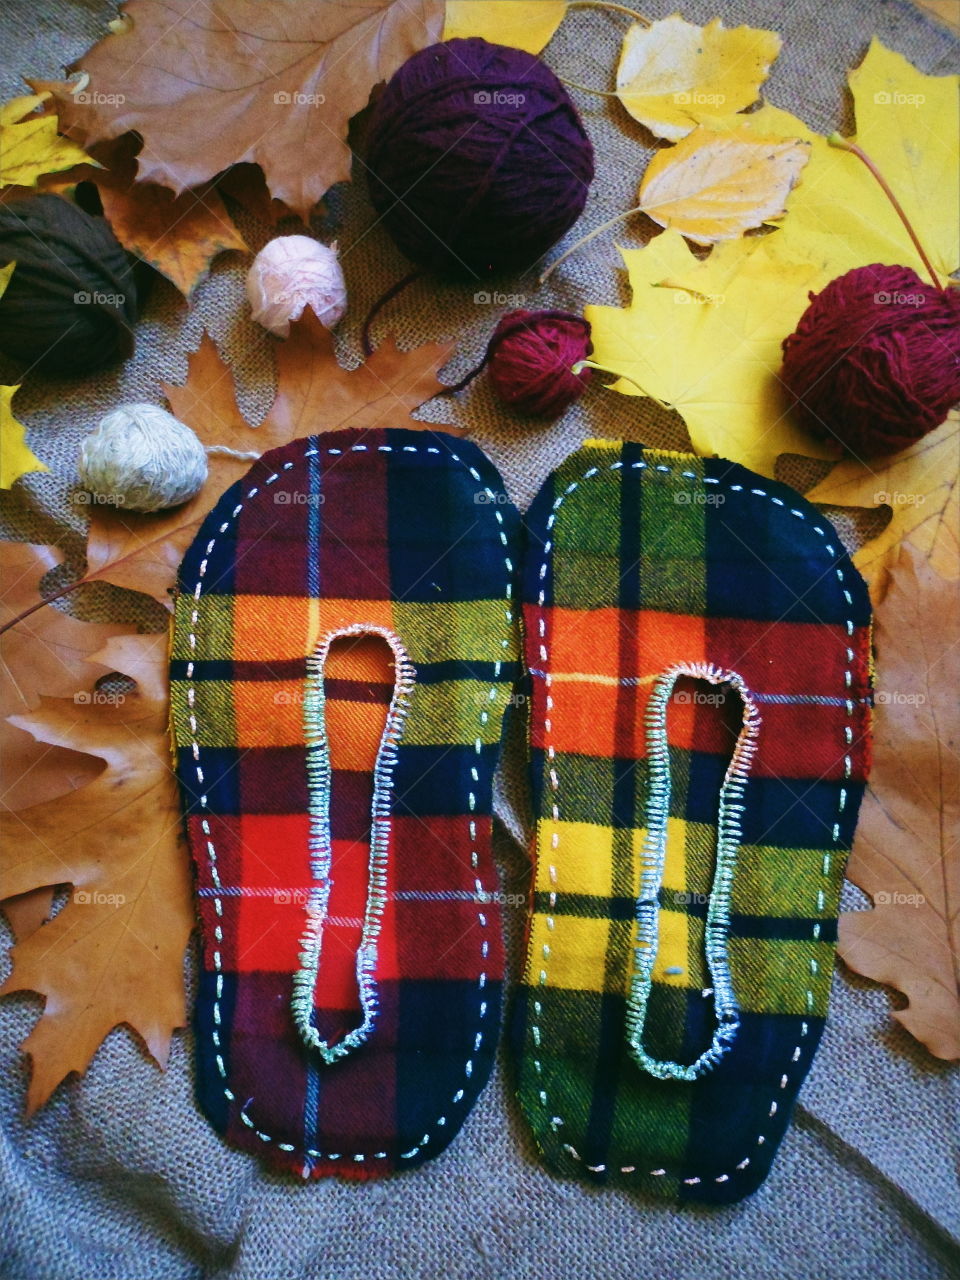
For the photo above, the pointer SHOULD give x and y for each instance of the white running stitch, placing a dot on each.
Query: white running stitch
(211, 851)
(556, 1121)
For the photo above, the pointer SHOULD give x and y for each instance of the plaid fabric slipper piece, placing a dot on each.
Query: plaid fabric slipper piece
(344, 648)
(699, 647)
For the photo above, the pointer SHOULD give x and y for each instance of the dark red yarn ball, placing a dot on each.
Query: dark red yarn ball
(530, 357)
(477, 159)
(875, 360)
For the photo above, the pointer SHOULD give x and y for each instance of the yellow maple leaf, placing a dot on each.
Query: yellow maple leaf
(522, 24)
(920, 485)
(704, 338)
(674, 75)
(715, 186)
(16, 458)
(30, 145)
(837, 216)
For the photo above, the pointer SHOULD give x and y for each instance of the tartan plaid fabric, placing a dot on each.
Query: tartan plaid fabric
(640, 563)
(405, 537)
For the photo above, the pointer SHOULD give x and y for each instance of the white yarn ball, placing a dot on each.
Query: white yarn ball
(290, 274)
(141, 458)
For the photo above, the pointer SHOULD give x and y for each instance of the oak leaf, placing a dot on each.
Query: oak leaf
(906, 854)
(673, 75)
(30, 145)
(314, 393)
(920, 485)
(522, 24)
(704, 338)
(273, 84)
(715, 186)
(114, 954)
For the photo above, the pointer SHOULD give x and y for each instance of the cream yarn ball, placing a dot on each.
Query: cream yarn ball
(290, 274)
(141, 458)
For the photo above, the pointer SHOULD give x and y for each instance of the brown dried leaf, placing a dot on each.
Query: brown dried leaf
(47, 653)
(907, 849)
(314, 394)
(114, 954)
(276, 85)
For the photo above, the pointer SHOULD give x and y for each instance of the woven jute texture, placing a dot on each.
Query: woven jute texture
(119, 1175)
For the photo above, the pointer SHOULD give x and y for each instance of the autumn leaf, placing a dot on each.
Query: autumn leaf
(522, 24)
(16, 457)
(275, 85)
(704, 338)
(48, 652)
(837, 216)
(114, 954)
(715, 186)
(673, 75)
(30, 145)
(143, 552)
(179, 235)
(920, 486)
(906, 854)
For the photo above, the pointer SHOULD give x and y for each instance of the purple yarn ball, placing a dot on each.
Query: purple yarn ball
(478, 161)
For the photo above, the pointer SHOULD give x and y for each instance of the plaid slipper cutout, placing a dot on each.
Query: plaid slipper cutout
(699, 647)
(343, 651)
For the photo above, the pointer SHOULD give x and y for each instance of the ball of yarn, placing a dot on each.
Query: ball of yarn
(71, 303)
(530, 358)
(477, 159)
(875, 360)
(142, 458)
(290, 274)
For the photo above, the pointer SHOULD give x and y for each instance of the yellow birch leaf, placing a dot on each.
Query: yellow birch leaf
(704, 338)
(714, 186)
(522, 24)
(674, 75)
(920, 485)
(30, 145)
(16, 458)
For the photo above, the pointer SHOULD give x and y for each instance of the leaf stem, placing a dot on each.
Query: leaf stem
(591, 235)
(579, 367)
(835, 140)
(64, 591)
(614, 8)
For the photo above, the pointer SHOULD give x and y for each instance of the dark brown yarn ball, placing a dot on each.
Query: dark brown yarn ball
(71, 303)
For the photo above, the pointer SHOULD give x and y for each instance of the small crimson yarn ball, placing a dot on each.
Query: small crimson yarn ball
(71, 304)
(477, 159)
(530, 357)
(875, 359)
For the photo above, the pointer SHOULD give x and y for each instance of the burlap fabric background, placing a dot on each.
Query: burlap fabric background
(119, 1176)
